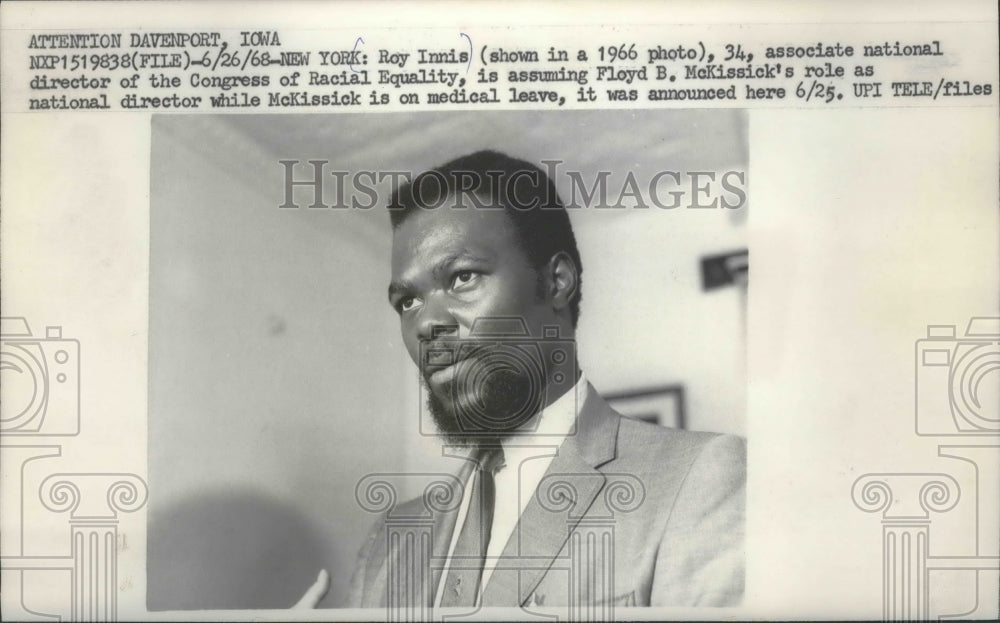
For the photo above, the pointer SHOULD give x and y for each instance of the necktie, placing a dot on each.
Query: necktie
(466, 566)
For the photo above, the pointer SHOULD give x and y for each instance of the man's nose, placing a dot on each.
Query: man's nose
(436, 321)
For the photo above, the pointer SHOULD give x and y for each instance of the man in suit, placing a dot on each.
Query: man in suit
(560, 501)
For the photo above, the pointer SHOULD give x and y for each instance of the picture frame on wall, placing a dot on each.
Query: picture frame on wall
(663, 405)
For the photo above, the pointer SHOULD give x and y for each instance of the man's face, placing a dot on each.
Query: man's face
(450, 267)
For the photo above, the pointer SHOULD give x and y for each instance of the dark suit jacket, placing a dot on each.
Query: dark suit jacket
(628, 514)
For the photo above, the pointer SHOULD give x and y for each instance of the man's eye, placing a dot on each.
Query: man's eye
(407, 303)
(462, 277)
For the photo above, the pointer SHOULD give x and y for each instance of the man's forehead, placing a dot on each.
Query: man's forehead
(448, 229)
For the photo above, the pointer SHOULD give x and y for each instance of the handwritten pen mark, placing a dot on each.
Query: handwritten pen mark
(469, 39)
(351, 64)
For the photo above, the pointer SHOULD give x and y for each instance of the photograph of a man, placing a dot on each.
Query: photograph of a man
(488, 283)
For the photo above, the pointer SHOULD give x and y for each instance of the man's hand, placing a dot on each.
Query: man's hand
(315, 592)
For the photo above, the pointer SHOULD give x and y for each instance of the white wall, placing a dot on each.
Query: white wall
(646, 320)
(274, 382)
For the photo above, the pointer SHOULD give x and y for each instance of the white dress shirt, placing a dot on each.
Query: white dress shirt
(526, 459)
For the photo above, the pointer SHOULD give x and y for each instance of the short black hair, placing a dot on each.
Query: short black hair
(523, 190)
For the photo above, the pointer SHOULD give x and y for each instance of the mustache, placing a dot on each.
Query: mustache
(440, 354)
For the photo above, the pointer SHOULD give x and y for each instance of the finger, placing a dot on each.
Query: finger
(315, 592)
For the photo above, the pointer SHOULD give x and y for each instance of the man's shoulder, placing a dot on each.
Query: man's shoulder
(638, 434)
(656, 450)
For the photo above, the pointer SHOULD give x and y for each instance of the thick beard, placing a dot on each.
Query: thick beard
(491, 411)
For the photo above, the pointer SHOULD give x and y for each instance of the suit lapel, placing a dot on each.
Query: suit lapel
(408, 519)
(444, 527)
(563, 497)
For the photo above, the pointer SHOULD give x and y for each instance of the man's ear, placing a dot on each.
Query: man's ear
(564, 280)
